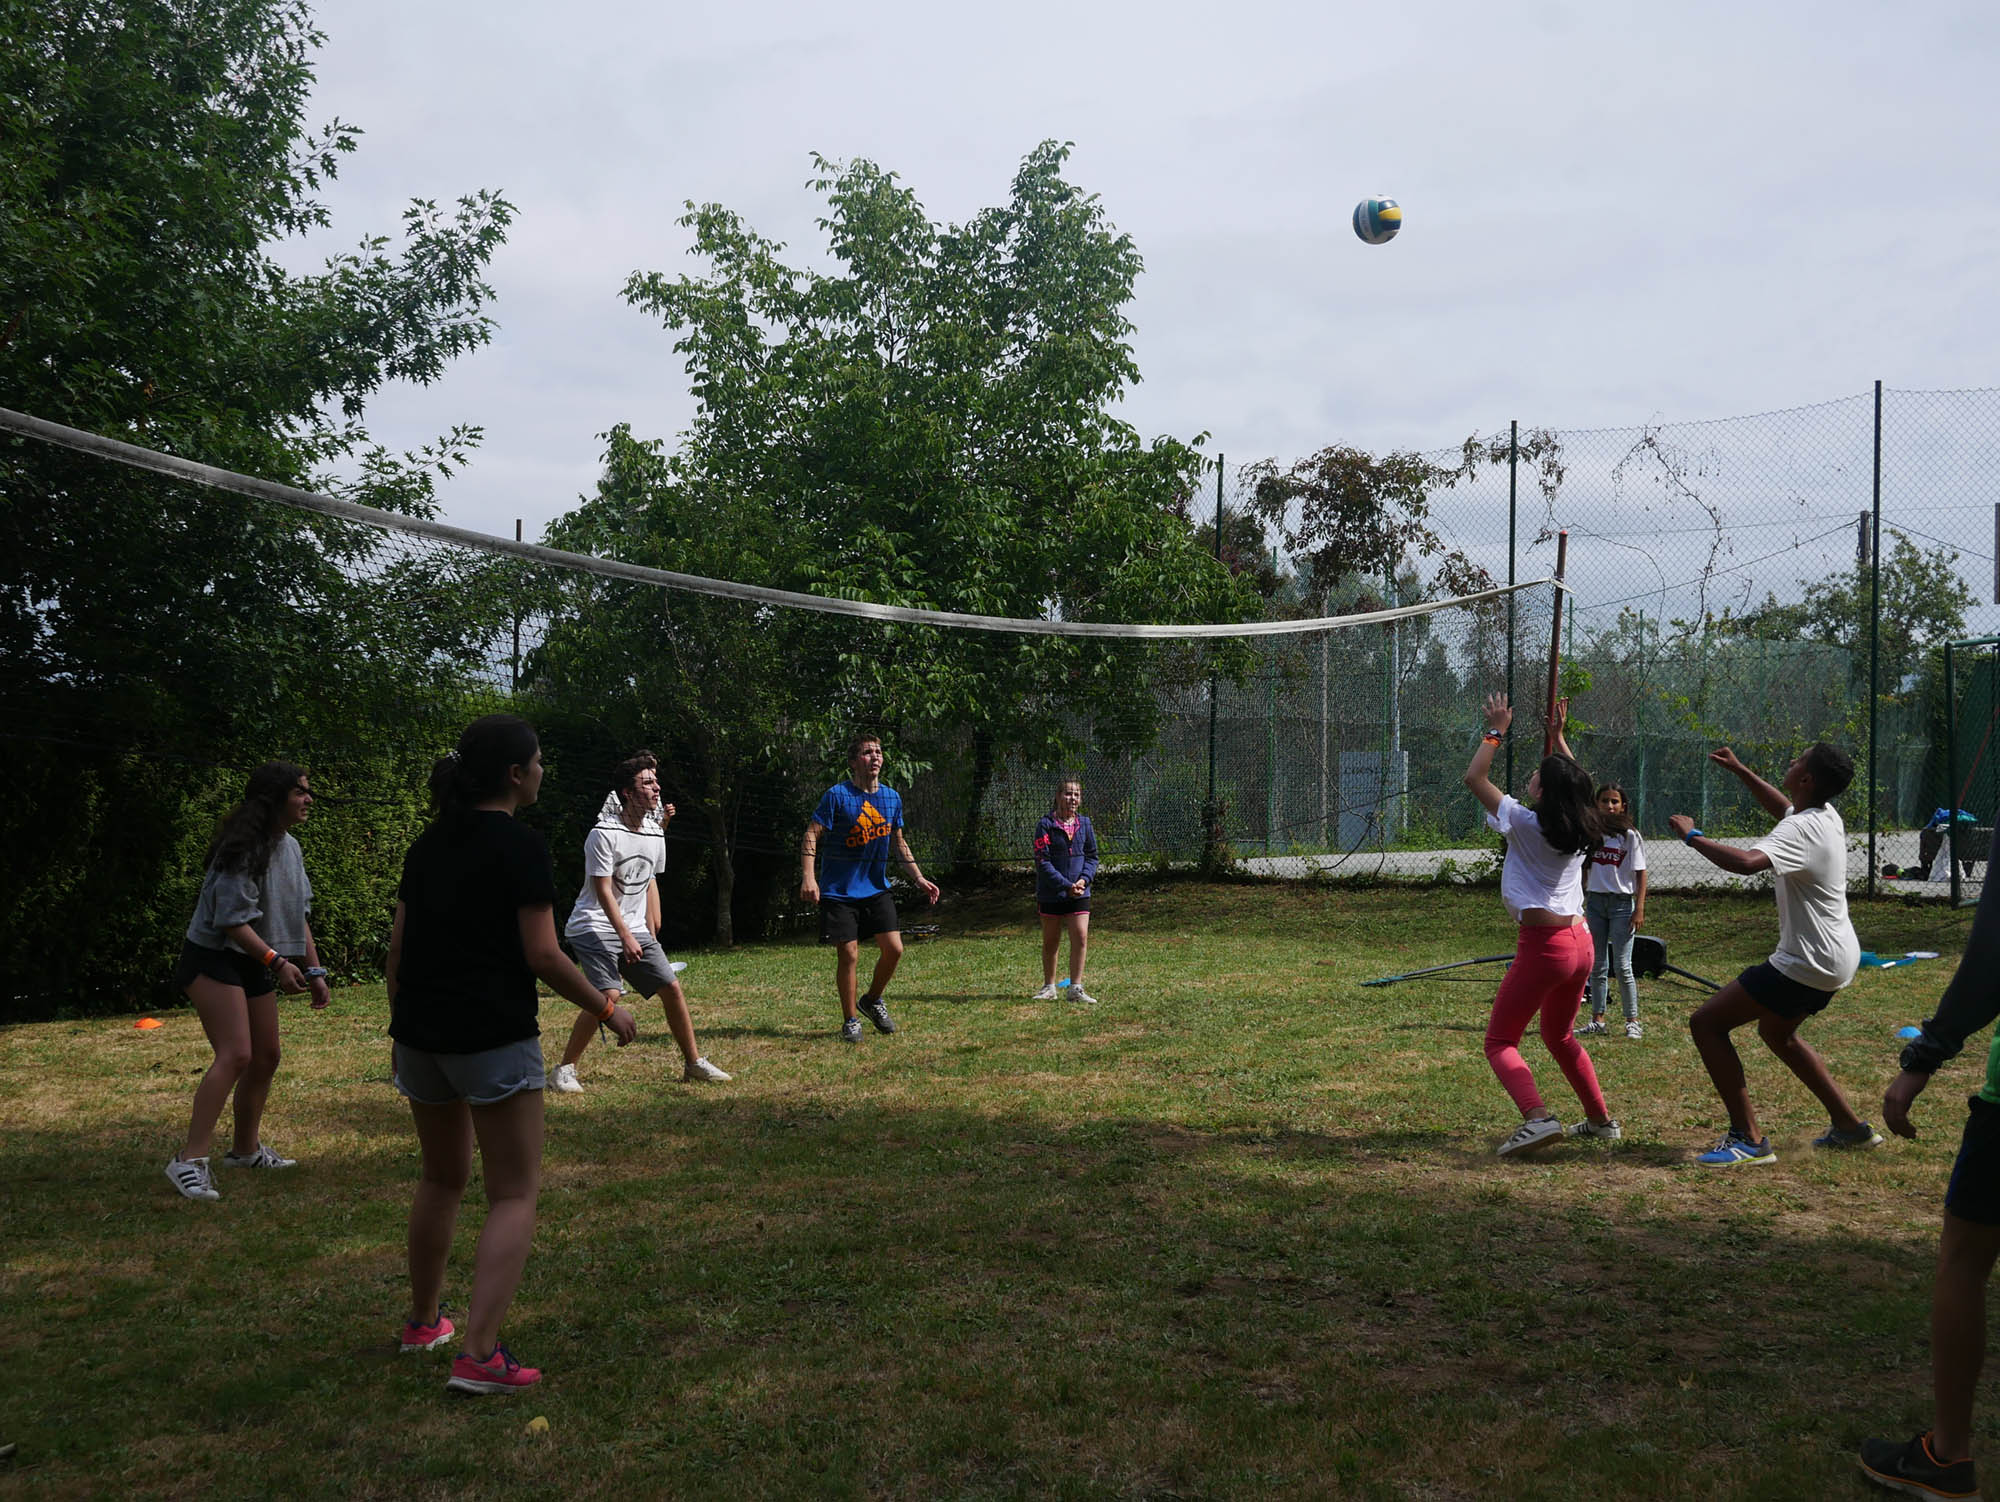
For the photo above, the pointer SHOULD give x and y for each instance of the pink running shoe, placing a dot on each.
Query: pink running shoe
(426, 1337)
(499, 1372)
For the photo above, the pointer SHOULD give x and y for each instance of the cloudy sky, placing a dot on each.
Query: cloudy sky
(1615, 213)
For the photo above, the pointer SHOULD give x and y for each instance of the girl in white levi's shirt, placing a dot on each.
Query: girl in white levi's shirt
(1614, 903)
(1541, 884)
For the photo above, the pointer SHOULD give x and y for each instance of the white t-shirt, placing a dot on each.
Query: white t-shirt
(1816, 943)
(1615, 865)
(631, 859)
(1535, 873)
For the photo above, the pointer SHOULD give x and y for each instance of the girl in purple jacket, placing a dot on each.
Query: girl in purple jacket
(1065, 865)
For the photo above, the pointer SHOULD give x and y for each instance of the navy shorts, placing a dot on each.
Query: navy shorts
(842, 921)
(1974, 1193)
(229, 966)
(1775, 991)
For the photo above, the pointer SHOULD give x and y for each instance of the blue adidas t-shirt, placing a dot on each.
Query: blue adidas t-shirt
(854, 856)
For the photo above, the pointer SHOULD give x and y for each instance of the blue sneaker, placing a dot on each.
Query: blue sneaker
(1734, 1149)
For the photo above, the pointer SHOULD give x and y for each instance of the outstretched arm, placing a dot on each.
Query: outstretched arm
(1774, 802)
(1498, 717)
(1730, 858)
(1562, 724)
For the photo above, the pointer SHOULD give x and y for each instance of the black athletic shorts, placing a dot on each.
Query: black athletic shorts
(842, 921)
(1771, 988)
(1974, 1193)
(228, 966)
(1061, 907)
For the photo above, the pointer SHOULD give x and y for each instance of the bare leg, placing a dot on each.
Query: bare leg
(444, 1133)
(583, 1030)
(510, 1160)
(253, 1086)
(1078, 925)
(1710, 1027)
(846, 963)
(1966, 1253)
(673, 1000)
(1052, 930)
(225, 1018)
(890, 945)
(1780, 1035)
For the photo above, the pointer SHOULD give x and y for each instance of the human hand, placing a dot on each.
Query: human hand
(1499, 714)
(666, 813)
(1562, 715)
(630, 947)
(288, 976)
(1638, 919)
(809, 891)
(322, 993)
(1899, 1097)
(621, 1024)
(1078, 887)
(930, 891)
(1725, 758)
(1680, 824)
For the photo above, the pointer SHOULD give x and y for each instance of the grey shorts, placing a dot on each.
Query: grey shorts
(479, 1079)
(606, 969)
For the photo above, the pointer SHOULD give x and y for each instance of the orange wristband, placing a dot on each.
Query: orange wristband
(270, 957)
(609, 1008)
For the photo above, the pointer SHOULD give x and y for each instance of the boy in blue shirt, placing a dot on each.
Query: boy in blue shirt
(864, 820)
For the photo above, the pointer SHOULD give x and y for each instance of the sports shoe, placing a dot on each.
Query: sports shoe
(876, 1010)
(1634, 1031)
(565, 1080)
(1592, 1029)
(1529, 1135)
(851, 1030)
(426, 1337)
(1047, 993)
(701, 1069)
(1864, 1135)
(265, 1158)
(1914, 1471)
(191, 1177)
(499, 1372)
(1734, 1149)
(1609, 1131)
(1077, 993)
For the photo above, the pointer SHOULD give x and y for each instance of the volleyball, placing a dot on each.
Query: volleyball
(1376, 220)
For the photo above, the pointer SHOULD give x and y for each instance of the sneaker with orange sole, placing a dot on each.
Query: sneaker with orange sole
(498, 1373)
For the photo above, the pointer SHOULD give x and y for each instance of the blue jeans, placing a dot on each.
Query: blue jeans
(1610, 917)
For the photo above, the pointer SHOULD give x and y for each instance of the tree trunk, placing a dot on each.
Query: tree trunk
(965, 858)
(725, 865)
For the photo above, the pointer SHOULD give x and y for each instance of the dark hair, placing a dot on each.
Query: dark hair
(625, 775)
(859, 739)
(1621, 821)
(1566, 810)
(488, 749)
(248, 833)
(1830, 768)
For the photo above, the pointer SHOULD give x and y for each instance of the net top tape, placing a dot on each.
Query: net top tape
(101, 447)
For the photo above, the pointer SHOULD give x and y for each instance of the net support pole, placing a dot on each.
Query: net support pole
(1875, 643)
(1556, 642)
(1950, 774)
(1513, 479)
(1209, 820)
(514, 681)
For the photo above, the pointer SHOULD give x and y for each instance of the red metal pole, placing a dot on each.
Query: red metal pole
(1556, 644)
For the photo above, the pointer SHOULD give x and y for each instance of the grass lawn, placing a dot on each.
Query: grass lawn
(1237, 1230)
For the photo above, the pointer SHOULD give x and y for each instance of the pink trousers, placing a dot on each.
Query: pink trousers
(1548, 975)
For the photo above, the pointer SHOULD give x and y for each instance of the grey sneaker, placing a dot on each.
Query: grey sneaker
(876, 1010)
(1609, 1131)
(265, 1158)
(1530, 1135)
(1047, 993)
(1864, 1135)
(1592, 1029)
(851, 1030)
(565, 1080)
(1634, 1031)
(701, 1069)
(191, 1177)
(1077, 993)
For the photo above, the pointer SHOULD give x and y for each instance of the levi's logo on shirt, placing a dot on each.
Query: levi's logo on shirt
(869, 826)
(1605, 855)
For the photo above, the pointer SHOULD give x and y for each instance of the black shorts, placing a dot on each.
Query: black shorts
(1775, 991)
(1974, 1193)
(842, 921)
(227, 966)
(1061, 907)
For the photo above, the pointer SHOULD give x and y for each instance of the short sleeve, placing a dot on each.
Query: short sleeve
(599, 859)
(531, 878)
(1789, 846)
(237, 899)
(1638, 848)
(827, 815)
(1503, 819)
(896, 813)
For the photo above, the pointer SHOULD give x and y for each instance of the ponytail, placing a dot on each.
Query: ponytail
(477, 769)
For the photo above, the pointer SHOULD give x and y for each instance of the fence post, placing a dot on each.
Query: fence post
(1513, 480)
(1210, 821)
(1950, 774)
(1875, 636)
(514, 680)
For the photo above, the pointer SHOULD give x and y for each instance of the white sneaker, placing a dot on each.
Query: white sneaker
(565, 1080)
(262, 1158)
(1530, 1135)
(1077, 993)
(701, 1069)
(1634, 1031)
(677, 966)
(191, 1177)
(1591, 1029)
(1047, 993)
(1609, 1131)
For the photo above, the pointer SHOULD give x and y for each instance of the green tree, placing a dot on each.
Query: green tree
(152, 157)
(929, 422)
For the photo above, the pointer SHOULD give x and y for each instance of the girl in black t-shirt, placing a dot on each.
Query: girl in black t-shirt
(475, 928)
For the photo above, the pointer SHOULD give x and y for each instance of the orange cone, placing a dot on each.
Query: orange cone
(147, 1023)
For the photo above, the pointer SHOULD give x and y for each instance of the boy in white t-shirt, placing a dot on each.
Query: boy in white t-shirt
(1817, 952)
(613, 927)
